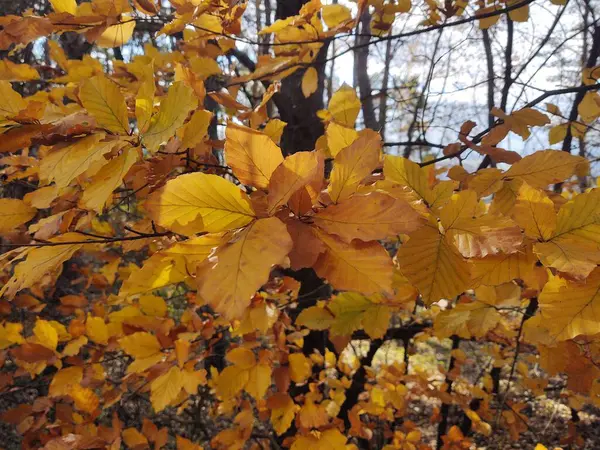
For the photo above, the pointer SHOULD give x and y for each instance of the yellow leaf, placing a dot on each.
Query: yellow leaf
(466, 320)
(153, 305)
(310, 82)
(569, 307)
(12, 102)
(353, 164)
(158, 271)
(194, 132)
(546, 167)
(558, 133)
(252, 155)
(359, 266)
(40, 262)
(134, 439)
(166, 388)
(339, 137)
(259, 380)
(10, 333)
(74, 346)
(476, 236)
(569, 254)
(433, 265)
(64, 165)
(140, 344)
(283, 410)
(85, 398)
(46, 334)
(103, 100)
(295, 172)
(369, 217)
(64, 6)
(64, 380)
(231, 381)
(497, 269)
(195, 250)
(344, 106)
(315, 318)
(300, 367)
(242, 357)
(117, 35)
(197, 202)
(334, 15)
(96, 330)
(144, 100)
(354, 311)
(575, 245)
(589, 108)
(174, 109)
(186, 444)
(109, 178)
(274, 129)
(229, 279)
(408, 173)
(14, 212)
(534, 212)
(331, 439)
(143, 364)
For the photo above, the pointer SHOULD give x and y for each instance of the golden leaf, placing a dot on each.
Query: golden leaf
(140, 344)
(295, 172)
(64, 165)
(310, 82)
(433, 265)
(174, 109)
(197, 202)
(166, 388)
(344, 106)
(534, 212)
(359, 266)
(14, 212)
(569, 308)
(40, 262)
(103, 100)
(252, 155)
(109, 178)
(353, 164)
(229, 279)
(369, 217)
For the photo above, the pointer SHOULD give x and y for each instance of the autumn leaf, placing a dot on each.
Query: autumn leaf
(568, 307)
(354, 311)
(140, 345)
(353, 164)
(358, 266)
(252, 155)
(198, 202)
(174, 109)
(234, 273)
(433, 265)
(534, 212)
(310, 81)
(381, 217)
(344, 105)
(40, 261)
(283, 410)
(14, 212)
(546, 167)
(103, 100)
(165, 389)
(64, 165)
(109, 178)
(295, 172)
